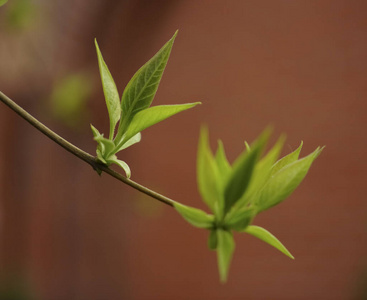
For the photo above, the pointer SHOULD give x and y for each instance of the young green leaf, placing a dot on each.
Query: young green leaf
(213, 239)
(239, 219)
(285, 181)
(105, 146)
(133, 140)
(221, 160)
(242, 171)
(240, 178)
(113, 160)
(225, 249)
(261, 173)
(2, 2)
(267, 237)
(153, 115)
(194, 216)
(95, 131)
(105, 151)
(263, 168)
(208, 174)
(248, 148)
(141, 89)
(286, 160)
(111, 94)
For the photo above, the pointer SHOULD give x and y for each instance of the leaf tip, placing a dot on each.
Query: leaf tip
(268, 130)
(248, 148)
(96, 44)
(173, 37)
(318, 151)
(122, 165)
(220, 143)
(223, 279)
(204, 132)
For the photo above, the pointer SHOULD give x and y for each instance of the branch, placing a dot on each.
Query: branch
(91, 160)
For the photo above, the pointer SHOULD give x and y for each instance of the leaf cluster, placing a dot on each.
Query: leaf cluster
(133, 113)
(236, 193)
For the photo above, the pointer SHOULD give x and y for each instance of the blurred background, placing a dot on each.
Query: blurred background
(66, 233)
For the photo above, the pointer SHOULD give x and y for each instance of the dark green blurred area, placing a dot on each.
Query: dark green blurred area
(69, 93)
(20, 14)
(14, 288)
(69, 97)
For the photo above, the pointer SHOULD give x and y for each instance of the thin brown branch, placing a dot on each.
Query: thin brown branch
(90, 159)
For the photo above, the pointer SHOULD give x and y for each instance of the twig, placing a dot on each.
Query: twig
(90, 159)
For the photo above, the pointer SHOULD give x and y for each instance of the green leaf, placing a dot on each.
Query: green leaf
(141, 89)
(240, 219)
(95, 131)
(208, 174)
(263, 168)
(133, 140)
(194, 216)
(285, 181)
(105, 152)
(2, 2)
(286, 160)
(248, 148)
(261, 173)
(154, 115)
(113, 160)
(105, 146)
(225, 249)
(242, 171)
(213, 239)
(222, 163)
(240, 179)
(110, 92)
(267, 237)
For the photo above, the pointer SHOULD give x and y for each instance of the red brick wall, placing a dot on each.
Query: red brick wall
(299, 65)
